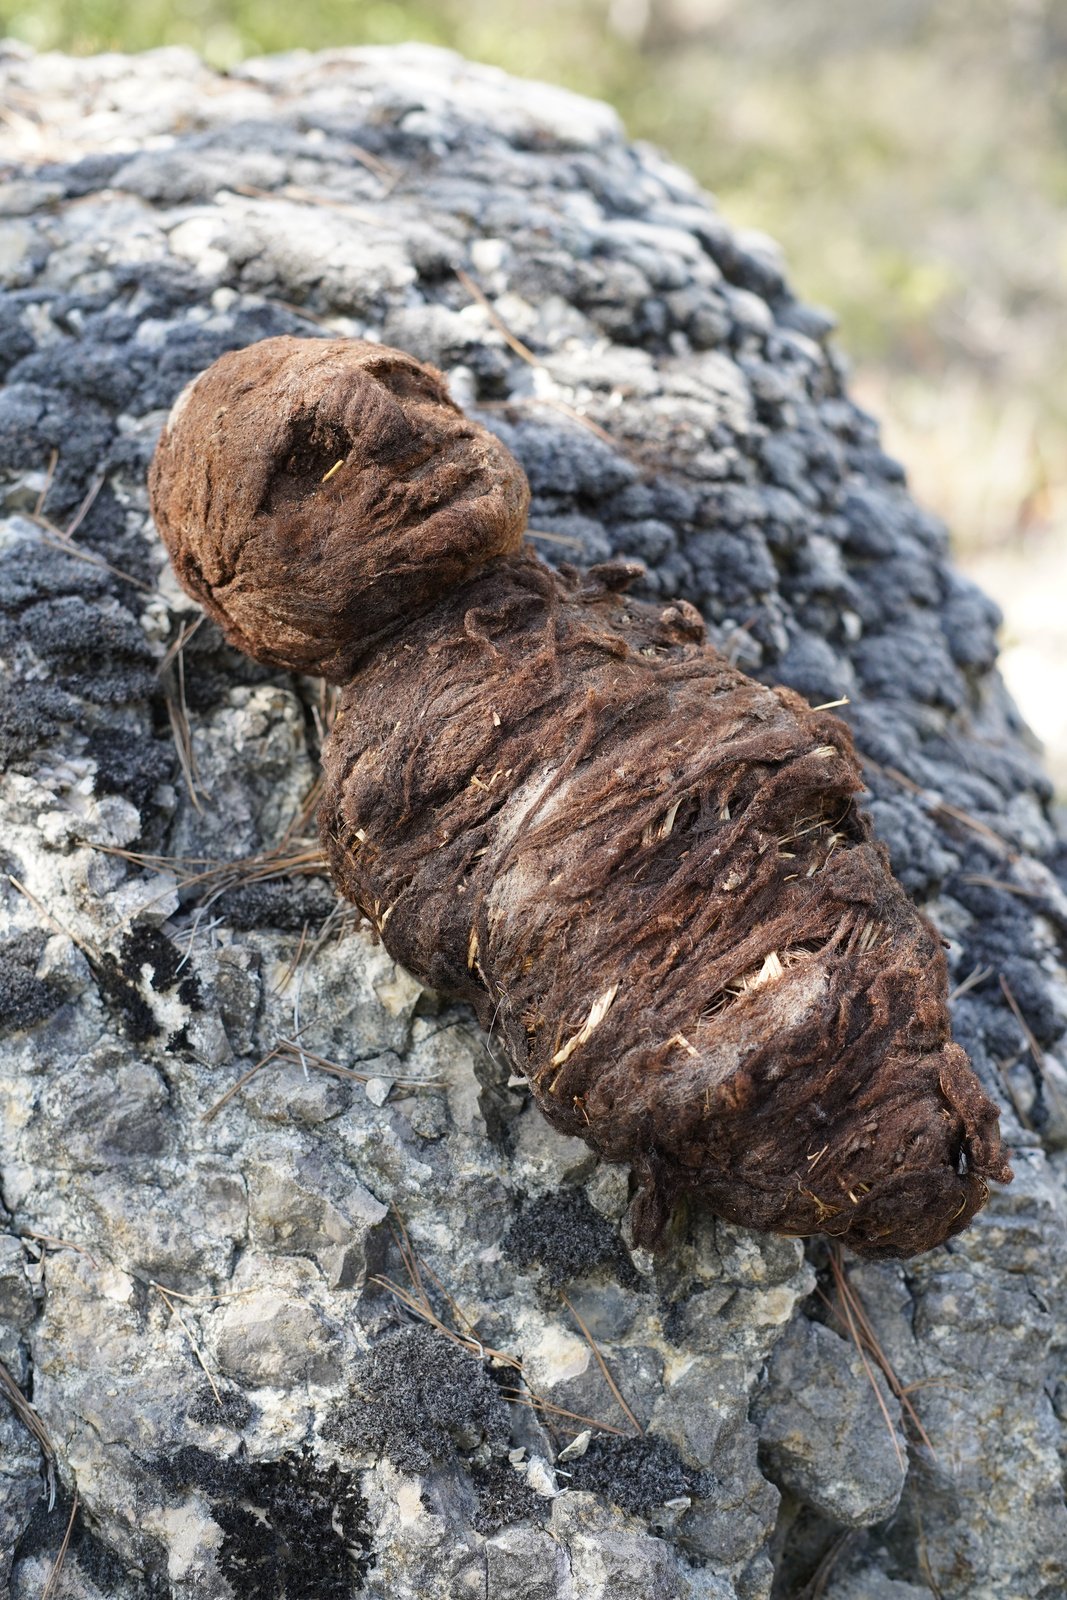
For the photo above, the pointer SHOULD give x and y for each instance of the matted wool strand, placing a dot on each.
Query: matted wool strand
(645, 871)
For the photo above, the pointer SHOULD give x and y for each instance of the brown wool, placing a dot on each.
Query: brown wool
(313, 492)
(645, 871)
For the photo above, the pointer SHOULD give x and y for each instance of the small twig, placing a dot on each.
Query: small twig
(417, 1301)
(50, 472)
(579, 417)
(55, 541)
(287, 976)
(839, 1275)
(516, 344)
(554, 538)
(290, 1049)
(536, 1403)
(86, 506)
(408, 1255)
(336, 914)
(924, 1557)
(221, 876)
(304, 197)
(832, 705)
(50, 1240)
(815, 1588)
(983, 882)
(304, 315)
(425, 1312)
(850, 1294)
(185, 633)
(1032, 1044)
(941, 807)
(183, 745)
(178, 708)
(453, 1303)
(1003, 1068)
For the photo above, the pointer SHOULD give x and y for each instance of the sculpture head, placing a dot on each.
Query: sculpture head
(313, 492)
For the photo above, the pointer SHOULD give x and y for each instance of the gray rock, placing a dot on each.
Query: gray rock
(16, 1291)
(874, 1585)
(238, 1230)
(21, 1486)
(828, 1435)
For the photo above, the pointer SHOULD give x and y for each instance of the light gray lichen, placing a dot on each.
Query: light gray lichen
(156, 215)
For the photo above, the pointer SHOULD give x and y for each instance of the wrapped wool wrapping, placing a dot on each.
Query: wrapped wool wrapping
(644, 870)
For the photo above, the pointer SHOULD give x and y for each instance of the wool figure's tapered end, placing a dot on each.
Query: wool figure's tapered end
(559, 803)
(312, 492)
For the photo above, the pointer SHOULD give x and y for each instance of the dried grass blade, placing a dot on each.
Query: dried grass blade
(212, 1111)
(602, 1364)
(86, 506)
(82, 944)
(521, 350)
(883, 1408)
(537, 1404)
(197, 1352)
(49, 477)
(53, 1577)
(1035, 1049)
(27, 1415)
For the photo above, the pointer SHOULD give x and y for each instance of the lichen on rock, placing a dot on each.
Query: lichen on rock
(191, 214)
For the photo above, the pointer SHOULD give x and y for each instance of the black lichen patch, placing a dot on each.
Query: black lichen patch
(130, 766)
(288, 904)
(235, 1412)
(97, 651)
(290, 1529)
(418, 1398)
(145, 946)
(638, 1474)
(30, 715)
(124, 999)
(568, 1238)
(504, 1496)
(37, 419)
(86, 1552)
(24, 998)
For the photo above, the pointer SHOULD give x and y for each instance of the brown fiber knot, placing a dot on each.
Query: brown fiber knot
(645, 871)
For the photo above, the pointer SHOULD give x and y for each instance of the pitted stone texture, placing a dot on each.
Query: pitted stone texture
(155, 215)
(830, 1430)
(874, 1585)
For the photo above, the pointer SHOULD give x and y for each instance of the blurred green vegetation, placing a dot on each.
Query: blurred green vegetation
(911, 158)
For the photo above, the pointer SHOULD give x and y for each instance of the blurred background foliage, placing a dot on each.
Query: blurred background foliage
(911, 158)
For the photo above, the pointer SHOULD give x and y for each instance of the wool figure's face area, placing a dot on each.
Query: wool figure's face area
(311, 492)
(645, 871)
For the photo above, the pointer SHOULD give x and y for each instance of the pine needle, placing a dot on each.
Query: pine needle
(53, 1577)
(602, 1364)
(30, 1420)
(197, 1352)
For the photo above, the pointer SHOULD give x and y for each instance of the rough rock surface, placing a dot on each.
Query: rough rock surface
(822, 1420)
(196, 1303)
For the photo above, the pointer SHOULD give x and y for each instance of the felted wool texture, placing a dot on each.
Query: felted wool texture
(647, 874)
(644, 870)
(311, 492)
